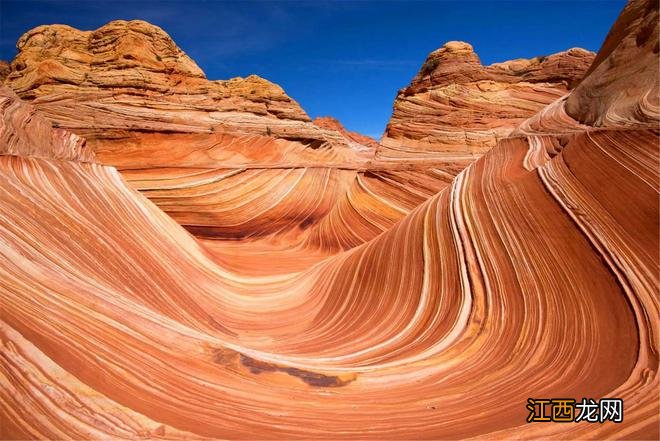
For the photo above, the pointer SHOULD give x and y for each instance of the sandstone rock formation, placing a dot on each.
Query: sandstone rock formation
(195, 147)
(24, 132)
(611, 95)
(456, 107)
(533, 272)
(146, 108)
(128, 83)
(4, 70)
(331, 123)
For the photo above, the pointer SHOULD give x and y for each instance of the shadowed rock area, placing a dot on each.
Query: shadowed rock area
(421, 287)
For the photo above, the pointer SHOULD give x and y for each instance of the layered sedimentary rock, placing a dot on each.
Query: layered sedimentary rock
(4, 70)
(331, 123)
(24, 132)
(196, 147)
(456, 107)
(533, 273)
(128, 84)
(146, 108)
(619, 91)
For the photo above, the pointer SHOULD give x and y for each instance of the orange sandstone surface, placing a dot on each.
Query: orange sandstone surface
(331, 123)
(188, 259)
(455, 106)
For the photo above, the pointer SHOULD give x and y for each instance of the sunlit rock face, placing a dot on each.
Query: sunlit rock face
(126, 84)
(197, 147)
(25, 132)
(188, 143)
(331, 123)
(532, 273)
(620, 91)
(456, 107)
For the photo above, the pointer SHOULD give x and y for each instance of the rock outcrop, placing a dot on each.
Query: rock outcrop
(193, 145)
(24, 132)
(610, 95)
(4, 70)
(328, 122)
(196, 147)
(531, 273)
(147, 109)
(127, 83)
(134, 57)
(456, 107)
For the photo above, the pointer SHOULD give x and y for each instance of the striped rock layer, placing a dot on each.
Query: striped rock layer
(331, 123)
(197, 147)
(533, 273)
(456, 107)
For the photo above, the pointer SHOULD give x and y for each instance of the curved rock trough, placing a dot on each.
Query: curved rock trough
(183, 258)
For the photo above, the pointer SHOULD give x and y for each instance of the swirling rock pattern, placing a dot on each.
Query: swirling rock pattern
(146, 108)
(23, 132)
(533, 272)
(191, 145)
(609, 97)
(196, 147)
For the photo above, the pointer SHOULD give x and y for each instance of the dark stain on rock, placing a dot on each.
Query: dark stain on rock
(210, 232)
(309, 221)
(312, 378)
(256, 366)
(224, 356)
(312, 143)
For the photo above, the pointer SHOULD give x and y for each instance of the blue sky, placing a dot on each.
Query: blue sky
(340, 58)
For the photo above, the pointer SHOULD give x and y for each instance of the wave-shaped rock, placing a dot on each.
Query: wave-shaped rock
(24, 132)
(146, 108)
(196, 147)
(617, 91)
(533, 273)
